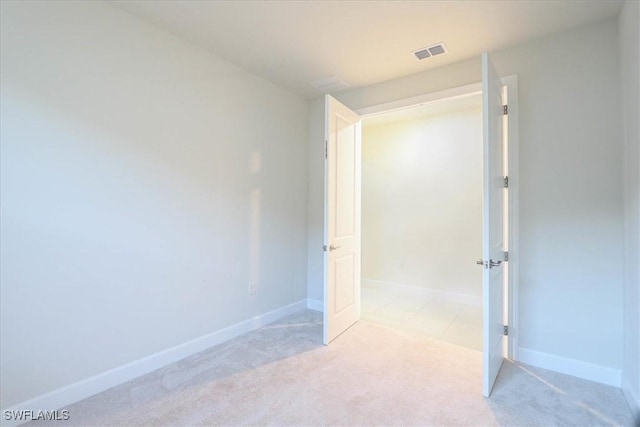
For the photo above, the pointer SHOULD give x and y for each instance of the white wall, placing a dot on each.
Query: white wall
(571, 200)
(422, 201)
(315, 201)
(145, 184)
(630, 89)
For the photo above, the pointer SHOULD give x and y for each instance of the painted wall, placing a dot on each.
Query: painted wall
(146, 184)
(630, 89)
(571, 198)
(315, 202)
(422, 201)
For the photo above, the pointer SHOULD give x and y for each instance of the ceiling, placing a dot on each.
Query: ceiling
(467, 102)
(292, 43)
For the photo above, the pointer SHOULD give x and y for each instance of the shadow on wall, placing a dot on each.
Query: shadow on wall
(255, 166)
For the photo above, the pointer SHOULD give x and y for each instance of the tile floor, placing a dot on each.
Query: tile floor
(452, 322)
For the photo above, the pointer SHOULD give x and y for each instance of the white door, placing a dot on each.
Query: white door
(492, 221)
(341, 219)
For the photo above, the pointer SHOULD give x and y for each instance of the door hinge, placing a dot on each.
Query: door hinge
(324, 248)
(506, 255)
(506, 182)
(326, 148)
(505, 110)
(505, 330)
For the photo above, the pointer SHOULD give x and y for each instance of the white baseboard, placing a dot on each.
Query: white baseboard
(422, 292)
(315, 305)
(577, 368)
(80, 390)
(632, 399)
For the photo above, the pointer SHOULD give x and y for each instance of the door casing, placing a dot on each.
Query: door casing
(511, 84)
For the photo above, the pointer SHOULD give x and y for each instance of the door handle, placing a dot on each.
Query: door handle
(492, 263)
(333, 247)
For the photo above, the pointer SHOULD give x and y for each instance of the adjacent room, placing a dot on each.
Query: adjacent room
(422, 220)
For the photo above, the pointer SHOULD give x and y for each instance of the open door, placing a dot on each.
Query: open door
(492, 222)
(341, 219)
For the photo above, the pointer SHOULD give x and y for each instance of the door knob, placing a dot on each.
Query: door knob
(492, 263)
(333, 247)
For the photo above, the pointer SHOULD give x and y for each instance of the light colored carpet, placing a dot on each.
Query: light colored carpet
(371, 375)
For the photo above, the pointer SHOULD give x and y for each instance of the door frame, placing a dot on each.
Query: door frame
(512, 246)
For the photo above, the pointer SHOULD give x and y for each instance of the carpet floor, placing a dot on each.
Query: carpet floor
(371, 375)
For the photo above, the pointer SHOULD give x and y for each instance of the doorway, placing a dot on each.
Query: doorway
(422, 172)
(342, 219)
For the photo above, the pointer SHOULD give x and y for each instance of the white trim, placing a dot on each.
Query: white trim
(514, 214)
(315, 305)
(429, 98)
(632, 400)
(80, 390)
(325, 225)
(422, 292)
(577, 368)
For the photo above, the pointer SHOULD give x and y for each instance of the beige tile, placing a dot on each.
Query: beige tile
(373, 300)
(433, 328)
(390, 322)
(408, 303)
(432, 311)
(464, 334)
(456, 323)
(471, 315)
(395, 314)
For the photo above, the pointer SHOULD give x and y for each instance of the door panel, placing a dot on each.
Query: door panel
(345, 273)
(493, 217)
(342, 219)
(344, 157)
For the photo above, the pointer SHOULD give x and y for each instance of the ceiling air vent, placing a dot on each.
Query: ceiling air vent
(426, 52)
(328, 84)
